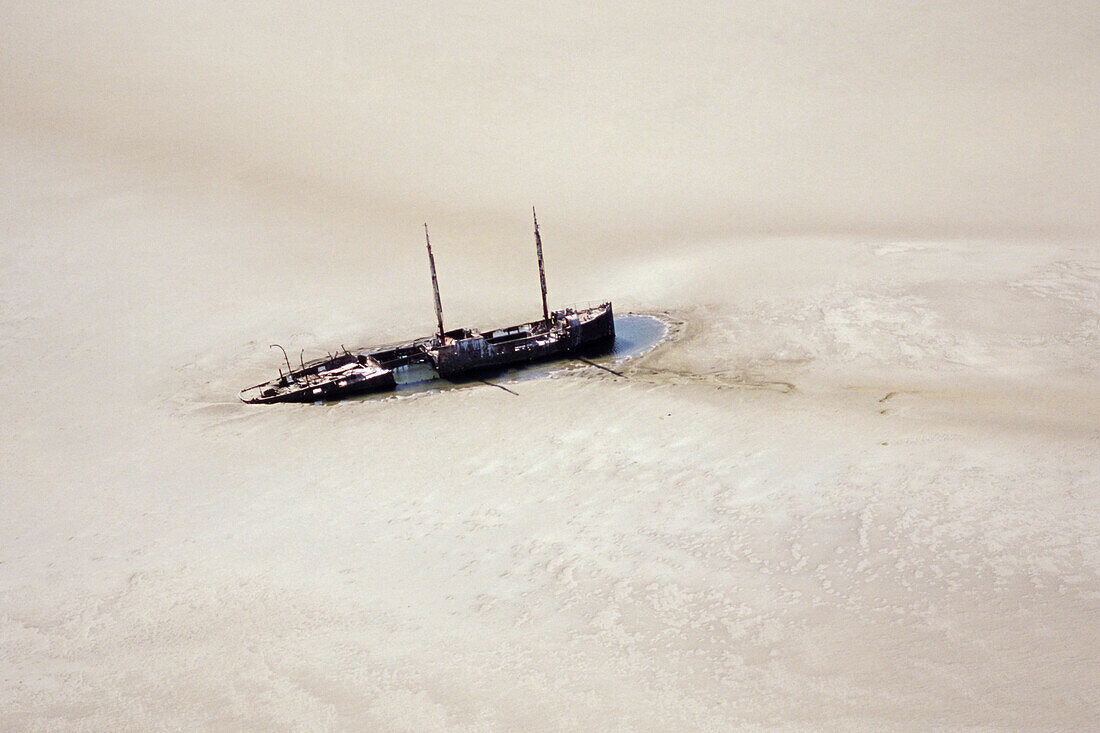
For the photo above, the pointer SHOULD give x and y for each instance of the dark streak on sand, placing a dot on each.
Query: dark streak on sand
(499, 386)
(601, 366)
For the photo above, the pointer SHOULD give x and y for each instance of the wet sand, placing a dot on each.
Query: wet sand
(857, 487)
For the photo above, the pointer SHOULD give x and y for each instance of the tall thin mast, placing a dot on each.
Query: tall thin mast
(542, 271)
(435, 284)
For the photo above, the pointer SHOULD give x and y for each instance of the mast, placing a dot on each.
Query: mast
(542, 271)
(435, 284)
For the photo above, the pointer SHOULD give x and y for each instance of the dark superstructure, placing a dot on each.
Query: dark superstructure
(449, 354)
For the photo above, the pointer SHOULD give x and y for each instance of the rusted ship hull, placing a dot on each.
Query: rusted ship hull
(458, 354)
(465, 352)
(323, 380)
(450, 354)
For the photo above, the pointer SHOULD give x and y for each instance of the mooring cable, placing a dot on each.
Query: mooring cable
(501, 386)
(600, 366)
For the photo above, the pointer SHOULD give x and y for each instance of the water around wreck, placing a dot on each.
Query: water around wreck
(635, 335)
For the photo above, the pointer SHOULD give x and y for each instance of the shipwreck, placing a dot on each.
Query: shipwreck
(455, 354)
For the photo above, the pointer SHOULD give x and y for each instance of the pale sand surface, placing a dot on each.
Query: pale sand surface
(859, 489)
